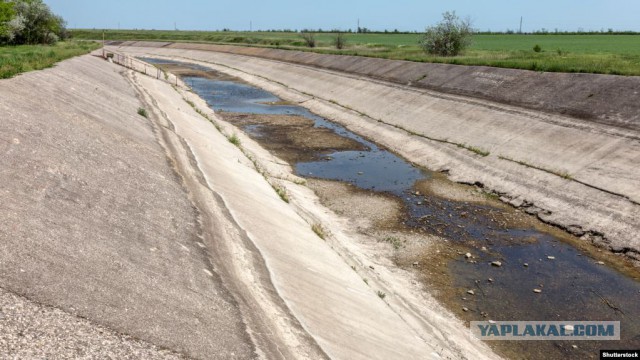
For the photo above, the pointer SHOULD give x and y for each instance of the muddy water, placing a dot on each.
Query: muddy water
(574, 284)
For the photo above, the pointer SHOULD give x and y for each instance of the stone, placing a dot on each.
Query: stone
(471, 292)
(551, 257)
(465, 309)
(537, 291)
(496, 263)
(467, 255)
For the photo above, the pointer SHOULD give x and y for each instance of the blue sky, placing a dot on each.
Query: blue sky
(497, 15)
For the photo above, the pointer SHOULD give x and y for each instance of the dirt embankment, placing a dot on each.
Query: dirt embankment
(607, 99)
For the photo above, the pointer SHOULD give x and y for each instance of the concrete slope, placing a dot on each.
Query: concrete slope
(95, 221)
(156, 235)
(331, 301)
(577, 174)
(607, 99)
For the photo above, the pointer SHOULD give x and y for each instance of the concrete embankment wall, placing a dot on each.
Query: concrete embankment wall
(607, 99)
(96, 222)
(158, 228)
(578, 174)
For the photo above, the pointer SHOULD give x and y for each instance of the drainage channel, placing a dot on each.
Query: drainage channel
(493, 263)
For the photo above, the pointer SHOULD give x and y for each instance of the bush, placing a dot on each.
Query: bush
(449, 37)
(340, 40)
(309, 39)
(537, 48)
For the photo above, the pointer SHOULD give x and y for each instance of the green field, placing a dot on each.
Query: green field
(23, 58)
(590, 53)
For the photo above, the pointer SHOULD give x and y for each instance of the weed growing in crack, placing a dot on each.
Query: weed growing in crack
(283, 194)
(234, 139)
(319, 230)
(474, 149)
(143, 112)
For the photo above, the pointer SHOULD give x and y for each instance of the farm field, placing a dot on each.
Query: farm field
(587, 53)
(23, 58)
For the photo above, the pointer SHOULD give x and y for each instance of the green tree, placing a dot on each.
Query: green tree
(30, 22)
(6, 15)
(449, 37)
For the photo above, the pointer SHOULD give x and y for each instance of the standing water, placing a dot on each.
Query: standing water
(570, 284)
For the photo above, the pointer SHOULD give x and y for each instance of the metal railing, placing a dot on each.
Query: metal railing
(140, 66)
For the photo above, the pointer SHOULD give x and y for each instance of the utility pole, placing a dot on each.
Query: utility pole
(250, 25)
(520, 32)
(175, 26)
(358, 29)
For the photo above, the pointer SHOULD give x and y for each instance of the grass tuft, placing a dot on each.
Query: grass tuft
(281, 192)
(234, 139)
(143, 112)
(394, 241)
(319, 230)
(473, 149)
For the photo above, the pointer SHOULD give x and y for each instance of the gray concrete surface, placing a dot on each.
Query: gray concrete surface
(332, 303)
(96, 222)
(33, 331)
(607, 99)
(578, 174)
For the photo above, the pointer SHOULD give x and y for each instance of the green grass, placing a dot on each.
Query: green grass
(234, 139)
(319, 230)
(588, 53)
(19, 59)
(394, 241)
(281, 192)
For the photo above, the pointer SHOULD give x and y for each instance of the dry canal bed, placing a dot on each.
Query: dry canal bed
(466, 229)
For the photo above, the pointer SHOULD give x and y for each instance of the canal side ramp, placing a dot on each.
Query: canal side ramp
(579, 174)
(97, 231)
(150, 231)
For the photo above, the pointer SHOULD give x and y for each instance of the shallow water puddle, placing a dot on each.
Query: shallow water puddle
(572, 284)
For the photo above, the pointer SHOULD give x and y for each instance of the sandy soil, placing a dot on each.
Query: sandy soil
(289, 133)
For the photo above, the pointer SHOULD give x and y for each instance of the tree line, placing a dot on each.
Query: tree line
(29, 22)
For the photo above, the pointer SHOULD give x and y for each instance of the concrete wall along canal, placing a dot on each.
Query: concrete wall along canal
(579, 174)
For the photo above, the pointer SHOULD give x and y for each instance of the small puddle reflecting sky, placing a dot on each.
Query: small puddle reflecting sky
(573, 286)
